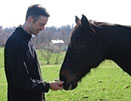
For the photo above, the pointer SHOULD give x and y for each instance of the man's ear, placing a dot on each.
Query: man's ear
(30, 19)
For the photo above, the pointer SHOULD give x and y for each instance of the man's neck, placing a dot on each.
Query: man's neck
(26, 28)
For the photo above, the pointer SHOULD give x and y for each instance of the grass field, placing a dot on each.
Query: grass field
(106, 83)
(1, 57)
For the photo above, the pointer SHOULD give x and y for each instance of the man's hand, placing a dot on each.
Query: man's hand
(56, 85)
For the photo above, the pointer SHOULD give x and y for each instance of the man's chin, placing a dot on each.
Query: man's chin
(33, 35)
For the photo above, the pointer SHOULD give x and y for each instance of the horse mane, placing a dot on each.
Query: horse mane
(93, 24)
(96, 23)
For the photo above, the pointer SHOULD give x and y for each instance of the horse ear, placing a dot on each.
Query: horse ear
(77, 20)
(84, 21)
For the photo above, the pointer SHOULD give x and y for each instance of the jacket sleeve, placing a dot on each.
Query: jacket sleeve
(19, 72)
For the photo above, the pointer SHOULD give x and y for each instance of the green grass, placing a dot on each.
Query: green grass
(102, 84)
(1, 57)
(105, 83)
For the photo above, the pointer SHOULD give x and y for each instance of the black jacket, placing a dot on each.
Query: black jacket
(22, 69)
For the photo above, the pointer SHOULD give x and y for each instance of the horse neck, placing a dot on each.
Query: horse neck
(116, 44)
(116, 41)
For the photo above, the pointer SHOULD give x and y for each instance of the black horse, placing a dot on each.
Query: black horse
(91, 43)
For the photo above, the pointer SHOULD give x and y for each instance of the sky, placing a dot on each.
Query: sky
(63, 12)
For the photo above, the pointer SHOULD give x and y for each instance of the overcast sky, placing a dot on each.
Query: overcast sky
(12, 12)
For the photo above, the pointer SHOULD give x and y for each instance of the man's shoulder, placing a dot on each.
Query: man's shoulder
(15, 41)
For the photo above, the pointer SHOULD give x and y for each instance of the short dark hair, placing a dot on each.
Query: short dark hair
(36, 11)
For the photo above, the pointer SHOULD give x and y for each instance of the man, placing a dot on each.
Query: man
(21, 65)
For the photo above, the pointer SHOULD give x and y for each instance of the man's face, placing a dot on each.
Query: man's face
(38, 25)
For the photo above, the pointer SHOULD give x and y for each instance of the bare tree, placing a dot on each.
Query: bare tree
(46, 54)
(57, 58)
(56, 50)
(52, 33)
(4, 34)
